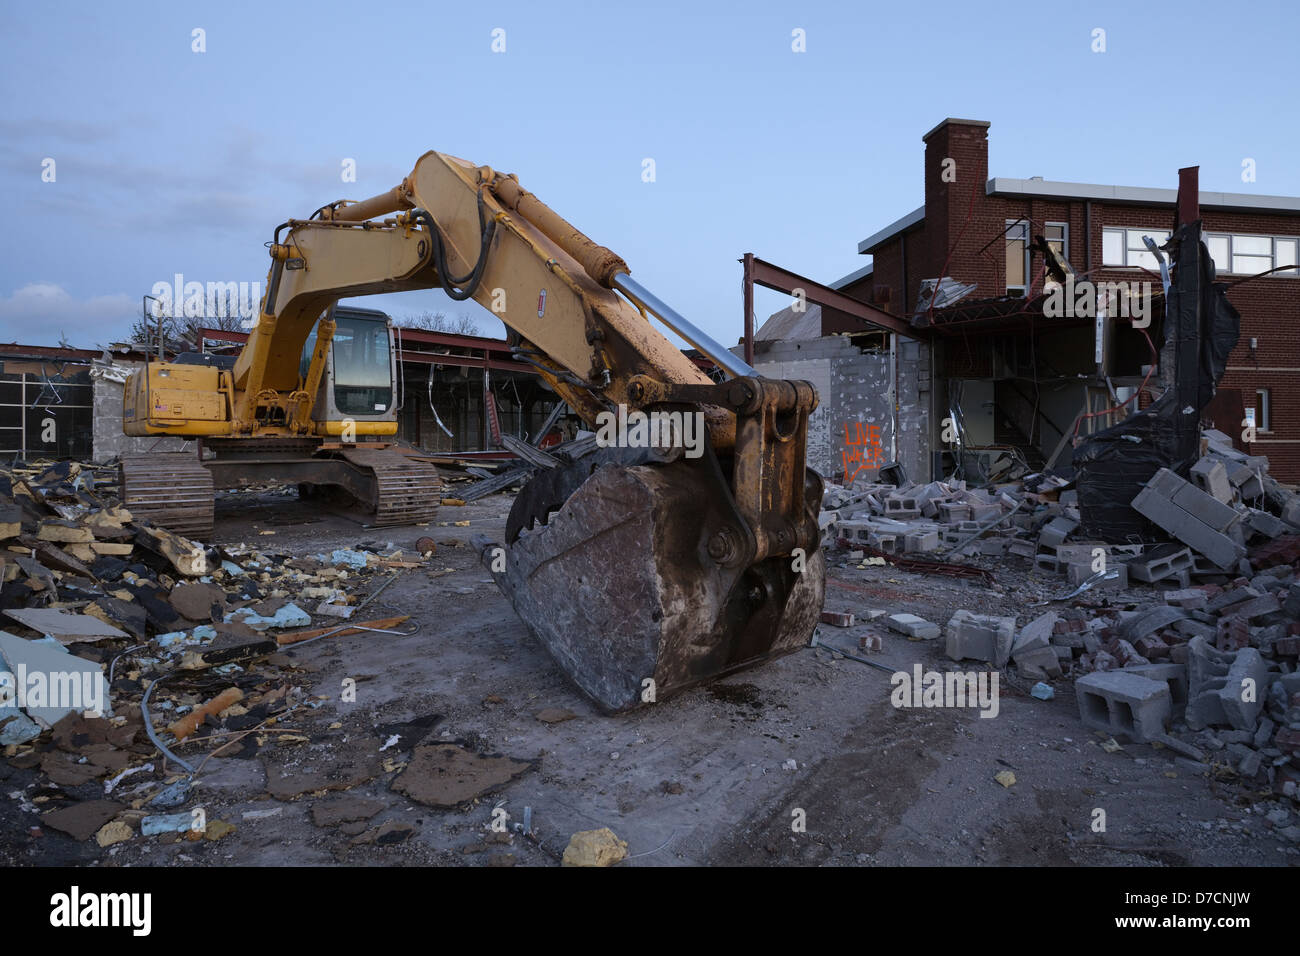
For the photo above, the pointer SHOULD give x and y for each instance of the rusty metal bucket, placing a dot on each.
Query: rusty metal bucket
(618, 584)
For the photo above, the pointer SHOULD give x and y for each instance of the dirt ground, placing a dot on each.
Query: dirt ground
(698, 779)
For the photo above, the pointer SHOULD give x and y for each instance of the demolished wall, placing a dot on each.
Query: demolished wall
(851, 432)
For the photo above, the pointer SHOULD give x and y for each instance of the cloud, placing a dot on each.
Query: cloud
(41, 312)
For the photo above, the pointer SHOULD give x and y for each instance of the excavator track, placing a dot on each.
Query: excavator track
(172, 489)
(406, 491)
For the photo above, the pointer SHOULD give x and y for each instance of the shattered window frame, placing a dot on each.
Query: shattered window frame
(1017, 231)
(1061, 245)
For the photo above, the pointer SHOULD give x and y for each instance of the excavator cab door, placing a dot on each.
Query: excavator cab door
(358, 387)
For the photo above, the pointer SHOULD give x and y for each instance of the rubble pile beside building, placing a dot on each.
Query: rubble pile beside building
(1191, 642)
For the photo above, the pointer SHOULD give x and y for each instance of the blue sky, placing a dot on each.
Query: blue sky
(173, 161)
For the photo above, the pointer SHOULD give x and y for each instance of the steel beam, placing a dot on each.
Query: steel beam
(783, 280)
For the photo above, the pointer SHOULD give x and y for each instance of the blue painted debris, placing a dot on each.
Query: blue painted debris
(21, 728)
(1042, 691)
(200, 635)
(353, 559)
(291, 615)
(167, 823)
(172, 795)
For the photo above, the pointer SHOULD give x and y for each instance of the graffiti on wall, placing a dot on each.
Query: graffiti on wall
(862, 450)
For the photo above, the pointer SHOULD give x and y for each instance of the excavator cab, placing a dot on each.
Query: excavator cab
(359, 382)
(325, 434)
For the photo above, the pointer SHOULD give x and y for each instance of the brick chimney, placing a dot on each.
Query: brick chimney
(956, 161)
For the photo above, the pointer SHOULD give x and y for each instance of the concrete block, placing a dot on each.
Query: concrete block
(1124, 704)
(1212, 477)
(1159, 563)
(1205, 508)
(980, 637)
(1056, 531)
(1033, 652)
(1261, 522)
(913, 626)
(884, 542)
(1022, 548)
(1173, 674)
(859, 532)
(1219, 683)
(1039, 663)
(901, 506)
(954, 511)
(1189, 598)
(921, 541)
(1165, 483)
(1187, 528)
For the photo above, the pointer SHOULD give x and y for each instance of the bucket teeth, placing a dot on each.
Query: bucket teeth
(641, 532)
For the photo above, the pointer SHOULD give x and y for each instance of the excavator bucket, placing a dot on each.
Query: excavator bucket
(616, 579)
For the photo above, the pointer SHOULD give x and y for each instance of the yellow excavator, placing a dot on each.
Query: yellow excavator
(643, 568)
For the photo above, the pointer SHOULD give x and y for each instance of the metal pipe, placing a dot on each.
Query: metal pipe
(679, 324)
(748, 283)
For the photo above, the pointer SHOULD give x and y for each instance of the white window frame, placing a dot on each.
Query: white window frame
(1263, 411)
(1023, 236)
(1273, 238)
(1065, 238)
(1161, 236)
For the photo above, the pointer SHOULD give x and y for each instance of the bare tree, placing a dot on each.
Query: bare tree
(439, 322)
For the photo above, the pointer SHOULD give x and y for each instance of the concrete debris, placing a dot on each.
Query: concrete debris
(447, 775)
(135, 652)
(594, 848)
(980, 637)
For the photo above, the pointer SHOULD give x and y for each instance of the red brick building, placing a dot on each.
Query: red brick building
(1021, 378)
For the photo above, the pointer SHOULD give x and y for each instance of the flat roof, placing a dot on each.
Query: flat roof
(1252, 202)
(1135, 195)
(855, 276)
(893, 229)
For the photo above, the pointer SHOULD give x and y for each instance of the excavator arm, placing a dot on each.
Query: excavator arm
(720, 554)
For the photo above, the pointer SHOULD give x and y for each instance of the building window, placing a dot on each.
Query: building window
(1057, 235)
(1017, 256)
(1250, 255)
(1125, 247)
(1219, 246)
(1261, 413)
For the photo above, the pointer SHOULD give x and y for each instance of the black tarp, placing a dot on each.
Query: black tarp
(1114, 464)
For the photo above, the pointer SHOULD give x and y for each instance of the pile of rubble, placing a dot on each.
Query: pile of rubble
(127, 647)
(1230, 504)
(1204, 661)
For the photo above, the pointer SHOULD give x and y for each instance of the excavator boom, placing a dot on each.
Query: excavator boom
(643, 566)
